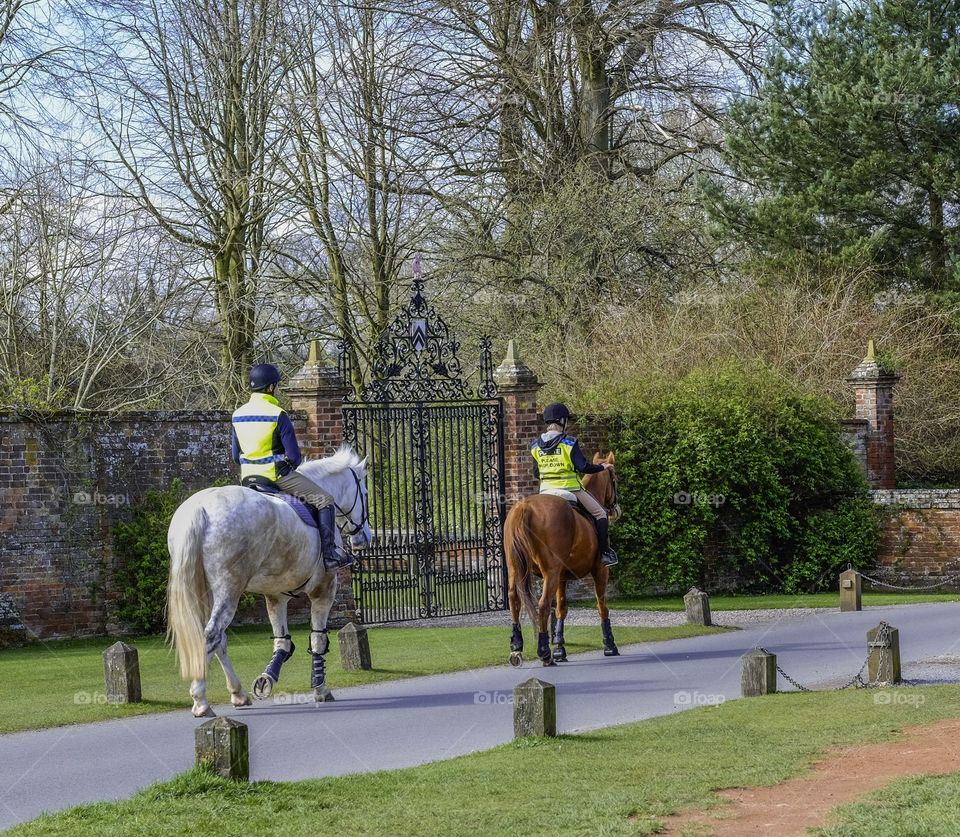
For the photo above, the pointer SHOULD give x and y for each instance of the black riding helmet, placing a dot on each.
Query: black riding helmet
(555, 413)
(263, 375)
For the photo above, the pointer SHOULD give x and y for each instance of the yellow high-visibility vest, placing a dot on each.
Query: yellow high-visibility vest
(255, 424)
(556, 466)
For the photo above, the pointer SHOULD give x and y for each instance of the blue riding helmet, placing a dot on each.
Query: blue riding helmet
(263, 375)
(555, 413)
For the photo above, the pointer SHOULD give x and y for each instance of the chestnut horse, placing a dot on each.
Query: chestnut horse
(546, 536)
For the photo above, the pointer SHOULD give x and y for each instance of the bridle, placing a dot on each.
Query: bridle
(613, 510)
(364, 506)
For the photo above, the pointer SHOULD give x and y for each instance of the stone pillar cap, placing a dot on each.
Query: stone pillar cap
(315, 375)
(869, 370)
(513, 372)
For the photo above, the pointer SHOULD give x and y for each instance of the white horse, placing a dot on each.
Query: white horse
(225, 541)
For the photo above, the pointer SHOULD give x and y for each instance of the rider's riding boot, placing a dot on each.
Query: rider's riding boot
(607, 556)
(333, 556)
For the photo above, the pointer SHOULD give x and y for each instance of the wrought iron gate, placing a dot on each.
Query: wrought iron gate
(435, 475)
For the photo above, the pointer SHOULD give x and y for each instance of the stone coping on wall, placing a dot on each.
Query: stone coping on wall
(129, 416)
(918, 498)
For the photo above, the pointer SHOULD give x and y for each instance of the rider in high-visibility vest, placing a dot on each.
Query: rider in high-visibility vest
(559, 462)
(265, 446)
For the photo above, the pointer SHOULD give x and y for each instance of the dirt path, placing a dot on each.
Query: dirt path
(805, 802)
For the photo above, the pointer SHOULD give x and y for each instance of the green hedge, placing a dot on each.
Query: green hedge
(735, 464)
(142, 561)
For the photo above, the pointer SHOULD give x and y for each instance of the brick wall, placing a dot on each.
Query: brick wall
(921, 537)
(66, 479)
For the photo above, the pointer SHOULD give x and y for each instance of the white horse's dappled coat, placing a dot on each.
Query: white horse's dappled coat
(227, 541)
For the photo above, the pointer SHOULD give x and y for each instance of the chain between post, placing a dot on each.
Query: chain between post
(883, 636)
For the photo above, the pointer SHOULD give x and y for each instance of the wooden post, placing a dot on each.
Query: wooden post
(121, 673)
(758, 673)
(354, 648)
(223, 745)
(697, 604)
(851, 585)
(534, 708)
(883, 655)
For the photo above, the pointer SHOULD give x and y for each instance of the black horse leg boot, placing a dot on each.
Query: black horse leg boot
(333, 556)
(607, 556)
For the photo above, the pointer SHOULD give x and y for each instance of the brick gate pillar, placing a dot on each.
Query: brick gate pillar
(873, 389)
(518, 385)
(317, 392)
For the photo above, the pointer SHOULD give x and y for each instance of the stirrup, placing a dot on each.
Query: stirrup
(609, 558)
(337, 559)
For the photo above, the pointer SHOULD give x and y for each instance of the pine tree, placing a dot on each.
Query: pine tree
(851, 146)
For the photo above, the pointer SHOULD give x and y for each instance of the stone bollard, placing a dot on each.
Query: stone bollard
(883, 655)
(121, 673)
(534, 708)
(224, 746)
(354, 648)
(851, 585)
(758, 673)
(697, 604)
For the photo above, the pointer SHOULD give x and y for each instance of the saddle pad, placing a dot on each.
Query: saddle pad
(296, 504)
(569, 496)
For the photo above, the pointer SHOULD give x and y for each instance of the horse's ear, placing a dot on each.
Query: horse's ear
(597, 459)
(363, 462)
(611, 458)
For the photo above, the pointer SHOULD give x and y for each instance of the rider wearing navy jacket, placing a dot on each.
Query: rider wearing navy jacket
(558, 464)
(265, 447)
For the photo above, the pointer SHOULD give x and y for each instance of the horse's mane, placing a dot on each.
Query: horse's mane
(346, 457)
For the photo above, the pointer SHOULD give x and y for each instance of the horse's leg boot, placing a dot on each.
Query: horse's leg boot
(516, 638)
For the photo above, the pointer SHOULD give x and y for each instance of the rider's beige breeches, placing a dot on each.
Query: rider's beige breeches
(306, 489)
(590, 503)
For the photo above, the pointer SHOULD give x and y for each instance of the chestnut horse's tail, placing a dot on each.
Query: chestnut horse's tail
(518, 545)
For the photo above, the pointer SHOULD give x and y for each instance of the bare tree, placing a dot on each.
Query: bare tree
(82, 302)
(185, 94)
(356, 170)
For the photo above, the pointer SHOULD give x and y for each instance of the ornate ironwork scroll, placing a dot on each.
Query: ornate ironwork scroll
(436, 474)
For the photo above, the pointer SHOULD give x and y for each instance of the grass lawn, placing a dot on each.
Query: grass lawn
(922, 805)
(612, 781)
(56, 683)
(771, 601)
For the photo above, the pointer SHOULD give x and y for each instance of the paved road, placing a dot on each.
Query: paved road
(410, 722)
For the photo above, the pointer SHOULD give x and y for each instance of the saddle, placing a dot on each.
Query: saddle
(270, 489)
(571, 498)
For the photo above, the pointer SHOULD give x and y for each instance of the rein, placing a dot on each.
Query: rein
(364, 507)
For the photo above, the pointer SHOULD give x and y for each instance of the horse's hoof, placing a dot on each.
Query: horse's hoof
(611, 652)
(516, 658)
(549, 661)
(204, 712)
(560, 655)
(322, 694)
(239, 701)
(263, 686)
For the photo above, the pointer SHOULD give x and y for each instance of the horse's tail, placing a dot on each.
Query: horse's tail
(187, 595)
(518, 545)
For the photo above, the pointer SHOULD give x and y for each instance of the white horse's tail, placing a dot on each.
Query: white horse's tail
(187, 596)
